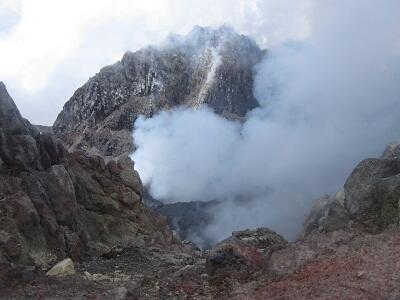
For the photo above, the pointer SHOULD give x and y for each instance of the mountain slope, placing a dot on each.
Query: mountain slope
(211, 66)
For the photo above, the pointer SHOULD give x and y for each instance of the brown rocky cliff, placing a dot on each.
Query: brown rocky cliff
(55, 205)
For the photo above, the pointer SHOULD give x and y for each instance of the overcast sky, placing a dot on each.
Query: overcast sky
(49, 48)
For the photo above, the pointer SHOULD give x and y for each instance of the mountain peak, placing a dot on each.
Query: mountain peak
(200, 34)
(10, 118)
(212, 66)
(4, 96)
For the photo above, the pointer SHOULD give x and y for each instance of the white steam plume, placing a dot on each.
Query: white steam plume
(327, 102)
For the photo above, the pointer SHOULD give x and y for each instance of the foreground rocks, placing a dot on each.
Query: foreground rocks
(373, 191)
(55, 205)
(369, 201)
(343, 264)
(244, 252)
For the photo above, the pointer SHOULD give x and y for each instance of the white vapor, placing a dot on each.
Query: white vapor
(327, 102)
(49, 48)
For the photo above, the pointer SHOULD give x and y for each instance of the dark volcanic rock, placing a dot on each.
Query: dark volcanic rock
(234, 256)
(208, 66)
(244, 252)
(55, 205)
(373, 191)
(18, 139)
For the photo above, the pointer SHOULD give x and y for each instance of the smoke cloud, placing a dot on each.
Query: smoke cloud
(326, 102)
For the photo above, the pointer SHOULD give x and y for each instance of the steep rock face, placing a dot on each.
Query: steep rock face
(21, 145)
(55, 205)
(207, 66)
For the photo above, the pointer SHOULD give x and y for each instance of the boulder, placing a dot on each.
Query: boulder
(372, 191)
(244, 252)
(62, 269)
(264, 239)
(234, 256)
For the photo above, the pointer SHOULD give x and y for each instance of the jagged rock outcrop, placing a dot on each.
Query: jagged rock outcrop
(55, 205)
(21, 145)
(372, 191)
(369, 201)
(212, 66)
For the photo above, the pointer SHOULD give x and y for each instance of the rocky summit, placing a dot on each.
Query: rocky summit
(211, 66)
(208, 66)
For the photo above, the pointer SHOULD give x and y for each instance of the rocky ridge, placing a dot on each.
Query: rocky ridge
(55, 204)
(210, 66)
